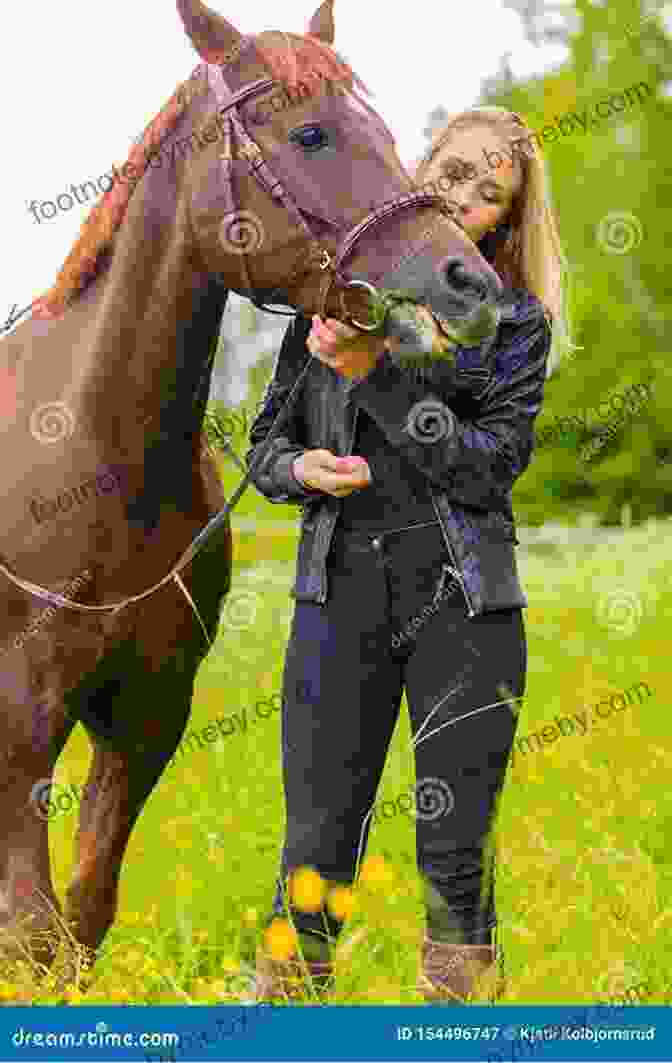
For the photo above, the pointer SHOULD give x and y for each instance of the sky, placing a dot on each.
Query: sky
(80, 81)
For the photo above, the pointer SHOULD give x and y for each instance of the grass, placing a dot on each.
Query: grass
(585, 830)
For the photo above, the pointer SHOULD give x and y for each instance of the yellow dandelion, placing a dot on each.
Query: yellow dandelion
(280, 939)
(230, 965)
(376, 874)
(341, 902)
(307, 890)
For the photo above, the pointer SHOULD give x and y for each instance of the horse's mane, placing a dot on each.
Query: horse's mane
(301, 63)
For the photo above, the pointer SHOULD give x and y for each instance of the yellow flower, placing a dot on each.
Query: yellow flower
(280, 939)
(230, 965)
(307, 889)
(341, 902)
(250, 916)
(375, 873)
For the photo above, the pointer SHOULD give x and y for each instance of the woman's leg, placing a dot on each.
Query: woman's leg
(342, 692)
(464, 683)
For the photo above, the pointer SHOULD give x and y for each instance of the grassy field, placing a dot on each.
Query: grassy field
(585, 830)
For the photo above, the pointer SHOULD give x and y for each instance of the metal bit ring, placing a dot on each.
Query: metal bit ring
(372, 291)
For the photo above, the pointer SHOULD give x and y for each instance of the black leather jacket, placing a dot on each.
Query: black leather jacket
(487, 444)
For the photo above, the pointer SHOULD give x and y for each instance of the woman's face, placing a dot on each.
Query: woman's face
(476, 175)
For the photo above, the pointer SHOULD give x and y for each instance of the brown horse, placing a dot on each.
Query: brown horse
(267, 174)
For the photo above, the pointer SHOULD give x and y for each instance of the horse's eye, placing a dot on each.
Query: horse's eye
(310, 138)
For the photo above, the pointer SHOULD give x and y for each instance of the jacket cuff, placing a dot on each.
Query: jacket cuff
(284, 474)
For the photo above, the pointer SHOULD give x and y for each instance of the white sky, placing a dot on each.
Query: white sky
(79, 82)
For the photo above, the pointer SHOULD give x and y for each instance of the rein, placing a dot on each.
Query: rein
(330, 266)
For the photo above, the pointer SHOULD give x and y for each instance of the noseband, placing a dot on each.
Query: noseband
(318, 258)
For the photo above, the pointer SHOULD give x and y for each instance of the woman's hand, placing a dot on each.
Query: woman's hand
(351, 353)
(333, 475)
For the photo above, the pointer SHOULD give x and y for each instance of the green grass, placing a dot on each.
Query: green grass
(585, 830)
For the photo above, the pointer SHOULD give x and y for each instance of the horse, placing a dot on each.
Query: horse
(266, 173)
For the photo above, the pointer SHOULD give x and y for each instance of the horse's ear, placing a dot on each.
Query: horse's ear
(212, 36)
(321, 24)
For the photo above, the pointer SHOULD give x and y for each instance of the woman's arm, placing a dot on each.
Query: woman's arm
(477, 460)
(275, 477)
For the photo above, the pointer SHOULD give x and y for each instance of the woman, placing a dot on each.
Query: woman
(406, 574)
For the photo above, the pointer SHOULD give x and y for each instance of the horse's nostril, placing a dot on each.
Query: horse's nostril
(458, 277)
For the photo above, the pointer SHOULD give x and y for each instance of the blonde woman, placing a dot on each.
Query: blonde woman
(406, 576)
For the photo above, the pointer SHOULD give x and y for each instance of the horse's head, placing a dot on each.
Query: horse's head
(297, 189)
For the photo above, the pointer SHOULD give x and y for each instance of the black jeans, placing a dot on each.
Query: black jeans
(346, 666)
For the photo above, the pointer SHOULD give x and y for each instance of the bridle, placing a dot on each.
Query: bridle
(330, 267)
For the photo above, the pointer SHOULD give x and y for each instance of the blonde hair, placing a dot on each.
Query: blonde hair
(532, 256)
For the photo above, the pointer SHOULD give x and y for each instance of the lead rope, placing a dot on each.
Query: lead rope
(192, 550)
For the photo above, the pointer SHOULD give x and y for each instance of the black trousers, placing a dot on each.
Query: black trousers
(347, 664)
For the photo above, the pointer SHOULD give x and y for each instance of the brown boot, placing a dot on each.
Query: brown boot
(290, 979)
(455, 974)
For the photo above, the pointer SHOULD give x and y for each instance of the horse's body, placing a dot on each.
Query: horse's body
(105, 478)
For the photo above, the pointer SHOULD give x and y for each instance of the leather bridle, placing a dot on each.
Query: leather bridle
(330, 266)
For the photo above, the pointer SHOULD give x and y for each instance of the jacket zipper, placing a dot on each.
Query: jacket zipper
(458, 575)
(322, 597)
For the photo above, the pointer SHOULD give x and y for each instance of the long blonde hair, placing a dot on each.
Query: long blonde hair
(532, 256)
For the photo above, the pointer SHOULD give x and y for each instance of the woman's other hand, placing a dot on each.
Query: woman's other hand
(351, 353)
(327, 472)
